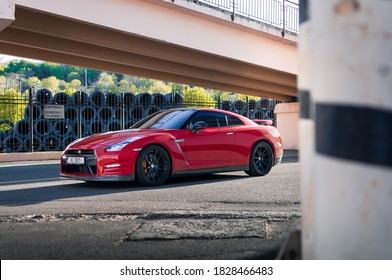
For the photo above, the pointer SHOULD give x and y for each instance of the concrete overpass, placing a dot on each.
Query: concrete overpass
(178, 41)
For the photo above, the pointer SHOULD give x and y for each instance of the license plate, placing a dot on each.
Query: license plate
(75, 160)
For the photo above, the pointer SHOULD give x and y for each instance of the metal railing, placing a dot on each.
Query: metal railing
(283, 14)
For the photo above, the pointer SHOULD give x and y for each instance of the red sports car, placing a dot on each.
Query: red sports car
(175, 142)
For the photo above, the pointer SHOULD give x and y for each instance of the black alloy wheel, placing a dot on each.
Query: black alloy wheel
(261, 159)
(152, 166)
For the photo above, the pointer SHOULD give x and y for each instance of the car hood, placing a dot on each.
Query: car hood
(109, 138)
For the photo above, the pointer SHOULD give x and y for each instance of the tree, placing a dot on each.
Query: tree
(178, 87)
(51, 83)
(34, 82)
(197, 97)
(22, 67)
(124, 85)
(56, 70)
(12, 106)
(3, 85)
(159, 86)
(75, 84)
(144, 84)
(106, 83)
(72, 75)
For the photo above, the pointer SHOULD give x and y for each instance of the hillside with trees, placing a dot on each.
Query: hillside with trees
(20, 75)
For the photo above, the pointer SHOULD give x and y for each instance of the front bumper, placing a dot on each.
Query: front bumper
(86, 166)
(100, 178)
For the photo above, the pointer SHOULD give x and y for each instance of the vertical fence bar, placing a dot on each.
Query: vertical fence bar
(79, 124)
(284, 18)
(247, 107)
(31, 120)
(122, 111)
(233, 11)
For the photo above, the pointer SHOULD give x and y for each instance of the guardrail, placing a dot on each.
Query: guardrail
(283, 14)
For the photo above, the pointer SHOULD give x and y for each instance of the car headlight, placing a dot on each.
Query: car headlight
(119, 145)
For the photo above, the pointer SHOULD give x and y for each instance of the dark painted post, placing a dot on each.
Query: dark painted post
(31, 120)
(79, 100)
(122, 116)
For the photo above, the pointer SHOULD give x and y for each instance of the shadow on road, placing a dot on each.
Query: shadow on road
(50, 187)
(57, 189)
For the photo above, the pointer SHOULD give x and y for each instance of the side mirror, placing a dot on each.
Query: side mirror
(199, 125)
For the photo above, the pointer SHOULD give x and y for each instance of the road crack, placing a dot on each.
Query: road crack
(213, 228)
(179, 225)
(43, 218)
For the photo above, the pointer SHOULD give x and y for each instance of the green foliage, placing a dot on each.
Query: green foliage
(106, 83)
(124, 85)
(159, 86)
(144, 84)
(34, 82)
(51, 83)
(20, 75)
(177, 87)
(12, 106)
(3, 83)
(197, 97)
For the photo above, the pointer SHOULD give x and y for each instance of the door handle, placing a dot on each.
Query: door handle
(230, 133)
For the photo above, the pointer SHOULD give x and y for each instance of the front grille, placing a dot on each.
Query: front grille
(82, 169)
(89, 166)
(80, 152)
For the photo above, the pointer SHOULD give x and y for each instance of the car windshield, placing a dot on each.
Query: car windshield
(169, 119)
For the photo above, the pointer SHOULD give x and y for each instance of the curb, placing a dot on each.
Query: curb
(14, 157)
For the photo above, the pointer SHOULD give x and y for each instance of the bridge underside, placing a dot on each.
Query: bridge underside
(45, 36)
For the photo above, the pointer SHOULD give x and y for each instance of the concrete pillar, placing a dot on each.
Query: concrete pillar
(347, 179)
(306, 132)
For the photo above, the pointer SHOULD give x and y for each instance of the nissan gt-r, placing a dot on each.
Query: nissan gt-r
(175, 142)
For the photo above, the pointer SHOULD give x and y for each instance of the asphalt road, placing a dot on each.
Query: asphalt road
(219, 216)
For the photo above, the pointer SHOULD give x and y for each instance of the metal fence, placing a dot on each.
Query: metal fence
(40, 121)
(283, 14)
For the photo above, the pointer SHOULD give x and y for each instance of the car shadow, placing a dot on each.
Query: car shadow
(174, 182)
(184, 181)
(57, 189)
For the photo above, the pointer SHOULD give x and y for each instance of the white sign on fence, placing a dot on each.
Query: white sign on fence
(54, 111)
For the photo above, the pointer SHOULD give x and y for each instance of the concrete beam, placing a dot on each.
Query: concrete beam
(45, 42)
(129, 70)
(38, 32)
(7, 13)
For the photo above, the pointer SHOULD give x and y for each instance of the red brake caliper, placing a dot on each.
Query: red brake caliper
(144, 165)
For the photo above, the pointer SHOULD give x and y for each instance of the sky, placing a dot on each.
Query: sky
(7, 58)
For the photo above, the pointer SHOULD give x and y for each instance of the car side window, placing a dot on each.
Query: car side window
(212, 119)
(232, 120)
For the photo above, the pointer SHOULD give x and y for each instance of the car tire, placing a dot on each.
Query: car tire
(261, 159)
(152, 166)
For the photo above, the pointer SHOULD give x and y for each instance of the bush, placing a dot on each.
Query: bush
(12, 105)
